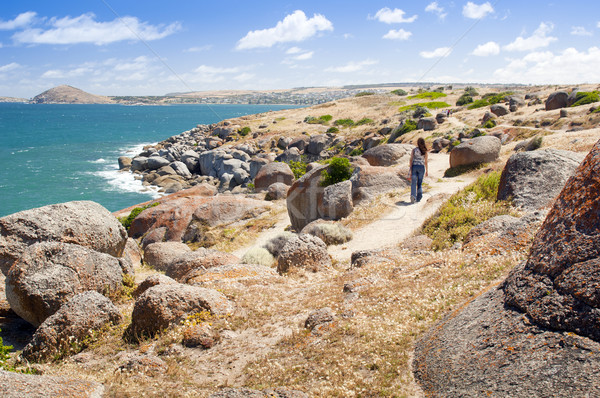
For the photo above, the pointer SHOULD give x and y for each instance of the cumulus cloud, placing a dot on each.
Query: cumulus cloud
(198, 49)
(438, 52)
(305, 56)
(487, 49)
(85, 29)
(352, 66)
(295, 27)
(568, 66)
(399, 34)
(389, 16)
(9, 67)
(477, 11)
(436, 9)
(538, 39)
(20, 21)
(293, 50)
(580, 31)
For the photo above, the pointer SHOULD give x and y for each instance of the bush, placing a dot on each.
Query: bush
(494, 98)
(357, 151)
(339, 170)
(4, 355)
(464, 210)
(478, 104)
(428, 105)
(330, 233)
(344, 122)
(428, 95)
(420, 112)
(399, 92)
(406, 127)
(298, 168)
(275, 245)
(464, 100)
(584, 98)
(534, 143)
(244, 131)
(364, 120)
(325, 118)
(364, 93)
(333, 130)
(258, 255)
(126, 221)
(469, 90)
(489, 124)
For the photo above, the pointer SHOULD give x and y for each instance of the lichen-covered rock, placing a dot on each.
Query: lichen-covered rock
(83, 223)
(199, 259)
(69, 327)
(370, 181)
(49, 274)
(277, 191)
(150, 281)
(477, 150)
(166, 304)
(556, 100)
(387, 155)
(532, 180)
(19, 385)
(318, 317)
(559, 285)
(272, 173)
(337, 201)
(201, 336)
(161, 255)
(303, 251)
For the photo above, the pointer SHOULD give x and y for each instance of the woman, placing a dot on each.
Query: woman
(418, 170)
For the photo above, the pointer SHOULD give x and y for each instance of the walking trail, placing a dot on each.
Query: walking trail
(399, 223)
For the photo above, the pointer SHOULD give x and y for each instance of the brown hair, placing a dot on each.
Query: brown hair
(422, 146)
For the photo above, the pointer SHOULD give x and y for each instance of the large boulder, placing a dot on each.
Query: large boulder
(477, 150)
(303, 251)
(277, 191)
(273, 173)
(49, 274)
(427, 123)
(556, 100)
(304, 197)
(337, 201)
(182, 267)
(559, 285)
(534, 179)
(166, 304)
(19, 385)
(388, 155)
(371, 181)
(318, 143)
(161, 255)
(83, 223)
(69, 327)
(499, 110)
(537, 334)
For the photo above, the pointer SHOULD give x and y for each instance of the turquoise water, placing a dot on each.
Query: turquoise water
(59, 153)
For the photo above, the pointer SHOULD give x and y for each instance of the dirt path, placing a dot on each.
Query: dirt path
(397, 224)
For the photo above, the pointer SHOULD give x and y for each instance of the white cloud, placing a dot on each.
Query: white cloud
(538, 39)
(487, 49)
(399, 34)
(436, 9)
(598, 25)
(352, 66)
(85, 29)
(244, 77)
(389, 16)
(438, 52)
(198, 49)
(474, 11)
(9, 67)
(294, 50)
(211, 70)
(348, 36)
(580, 31)
(568, 66)
(293, 28)
(20, 21)
(305, 56)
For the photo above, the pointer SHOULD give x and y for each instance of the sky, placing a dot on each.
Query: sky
(152, 47)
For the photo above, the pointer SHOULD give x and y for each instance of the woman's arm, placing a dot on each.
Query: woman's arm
(412, 153)
(426, 164)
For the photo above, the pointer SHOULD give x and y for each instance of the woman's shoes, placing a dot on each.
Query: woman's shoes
(412, 199)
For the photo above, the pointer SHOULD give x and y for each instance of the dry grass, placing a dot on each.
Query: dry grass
(366, 213)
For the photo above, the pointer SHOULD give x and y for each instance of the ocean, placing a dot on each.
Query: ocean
(59, 153)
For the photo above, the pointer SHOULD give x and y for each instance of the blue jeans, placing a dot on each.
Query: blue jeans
(418, 172)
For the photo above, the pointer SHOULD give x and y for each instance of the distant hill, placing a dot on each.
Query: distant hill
(12, 99)
(69, 95)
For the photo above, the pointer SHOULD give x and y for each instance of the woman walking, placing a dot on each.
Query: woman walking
(418, 170)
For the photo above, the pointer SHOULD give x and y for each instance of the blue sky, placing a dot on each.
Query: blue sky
(153, 47)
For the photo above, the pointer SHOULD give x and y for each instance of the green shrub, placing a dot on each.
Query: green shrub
(408, 126)
(364, 93)
(534, 143)
(471, 91)
(494, 98)
(333, 130)
(428, 95)
(298, 168)
(420, 112)
(258, 255)
(244, 131)
(464, 210)
(325, 118)
(357, 151)
(330, 233)
(464, 100)
(4, 355)
(479, 104)
(126, 221)
(489, 124)
(364, 120)
(339, 170)
(428, 105)
(584, 98)
(399, 92)
(344, 122)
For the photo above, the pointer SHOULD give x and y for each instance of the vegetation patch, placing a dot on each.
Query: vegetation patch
(344, 122)
(5, 355)
(464, 210)
(464, 99)
(478, 104)
(364, 120)
(489, 124)
(428, 105)
(357, 151)
(428, 95)
(126, 221)
(458, 170)
(408, 126)
(339, 170)
(298, 168)
(244, 131)
(364, 93)
(494, 98)
(399, 92)
(584, 98)
(332, 130)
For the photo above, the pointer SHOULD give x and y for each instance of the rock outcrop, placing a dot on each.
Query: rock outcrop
(83, 223)
(303, 251)
(532, 180)
(388, 155)
(18, 385)
(477, 150)
(182, 268)
(370, 181)
(273, 173)
(557, 100)
(161, 255)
